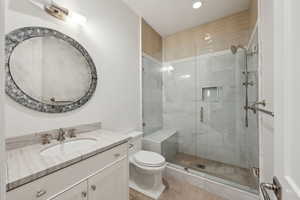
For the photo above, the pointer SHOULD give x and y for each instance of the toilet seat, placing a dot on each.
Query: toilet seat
(149, 159)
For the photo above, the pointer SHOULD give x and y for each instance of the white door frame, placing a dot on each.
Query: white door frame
(265, 71)
(2, 93)
(287, 96)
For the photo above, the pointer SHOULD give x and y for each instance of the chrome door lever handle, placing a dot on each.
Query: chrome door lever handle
(275, 187)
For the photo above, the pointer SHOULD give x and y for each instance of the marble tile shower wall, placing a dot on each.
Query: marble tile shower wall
(152, 95)
(220, 133)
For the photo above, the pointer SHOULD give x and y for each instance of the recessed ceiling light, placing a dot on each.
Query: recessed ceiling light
(197, 4)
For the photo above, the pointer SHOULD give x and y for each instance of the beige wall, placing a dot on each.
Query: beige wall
(211, 37)
(151, 41)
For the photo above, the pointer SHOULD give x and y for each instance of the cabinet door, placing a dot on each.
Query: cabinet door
(111, 183)
(78, 192)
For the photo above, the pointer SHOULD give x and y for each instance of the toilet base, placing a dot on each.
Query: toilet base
(154, 194)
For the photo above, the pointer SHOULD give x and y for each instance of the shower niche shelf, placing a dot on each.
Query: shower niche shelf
(211, 94)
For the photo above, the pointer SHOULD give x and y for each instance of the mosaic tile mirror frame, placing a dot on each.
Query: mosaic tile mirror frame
(38, 80)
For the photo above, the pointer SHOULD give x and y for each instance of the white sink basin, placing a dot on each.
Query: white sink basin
(68, 147)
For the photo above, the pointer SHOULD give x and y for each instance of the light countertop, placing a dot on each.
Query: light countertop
(26, 164)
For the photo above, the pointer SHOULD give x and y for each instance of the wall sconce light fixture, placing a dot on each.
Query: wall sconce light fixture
(61, 13)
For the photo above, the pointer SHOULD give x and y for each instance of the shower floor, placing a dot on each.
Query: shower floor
(228, 172)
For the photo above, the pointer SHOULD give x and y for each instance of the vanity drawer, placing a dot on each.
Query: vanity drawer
(52, 184)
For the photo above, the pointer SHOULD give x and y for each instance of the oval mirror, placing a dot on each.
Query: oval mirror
(47, 70)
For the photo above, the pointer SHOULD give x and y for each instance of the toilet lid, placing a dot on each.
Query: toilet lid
(149, 159)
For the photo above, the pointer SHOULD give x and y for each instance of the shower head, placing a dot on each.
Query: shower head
(234, 48)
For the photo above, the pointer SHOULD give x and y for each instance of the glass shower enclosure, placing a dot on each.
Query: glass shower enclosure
(204, 100)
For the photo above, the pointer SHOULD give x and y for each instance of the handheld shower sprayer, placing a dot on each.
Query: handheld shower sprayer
(234, 49)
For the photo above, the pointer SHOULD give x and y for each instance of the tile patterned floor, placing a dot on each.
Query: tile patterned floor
(232, 173)
(178, 190)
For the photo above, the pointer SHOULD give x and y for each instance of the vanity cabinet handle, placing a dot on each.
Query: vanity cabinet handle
(84, 194)
(93, 187)
(117, 155)
(41, 193)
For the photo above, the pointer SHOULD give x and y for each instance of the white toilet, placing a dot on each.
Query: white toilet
(145, 168)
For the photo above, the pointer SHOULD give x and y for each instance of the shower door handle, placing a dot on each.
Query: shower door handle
(275, 187)
(201, 114)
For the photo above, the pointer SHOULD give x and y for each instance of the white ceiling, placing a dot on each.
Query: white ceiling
(170, 16)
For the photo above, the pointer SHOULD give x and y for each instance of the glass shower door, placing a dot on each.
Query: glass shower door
(219, 128)
(204, 99)
(179, 88)
(223, 140)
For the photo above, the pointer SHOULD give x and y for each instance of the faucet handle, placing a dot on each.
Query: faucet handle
(61, 131)
(72, 133)
(46, 138)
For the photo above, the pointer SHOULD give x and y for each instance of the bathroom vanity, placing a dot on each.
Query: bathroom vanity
(44, 172)
(53, 165)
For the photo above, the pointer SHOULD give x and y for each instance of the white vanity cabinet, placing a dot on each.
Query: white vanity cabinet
(103, 176)
(109, 183)
(78, 192)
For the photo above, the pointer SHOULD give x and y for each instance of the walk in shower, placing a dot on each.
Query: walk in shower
(206, 99)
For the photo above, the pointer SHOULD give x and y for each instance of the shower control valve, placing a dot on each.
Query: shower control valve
(248, 83)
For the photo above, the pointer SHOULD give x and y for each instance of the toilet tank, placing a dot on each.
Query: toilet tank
(135, 143)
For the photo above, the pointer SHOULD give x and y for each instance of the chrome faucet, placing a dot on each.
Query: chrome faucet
(61, 135)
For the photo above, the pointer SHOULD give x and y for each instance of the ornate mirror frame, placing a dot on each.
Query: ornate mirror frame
(13, 39)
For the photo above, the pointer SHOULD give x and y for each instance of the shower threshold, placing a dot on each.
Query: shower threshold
(241, 178)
